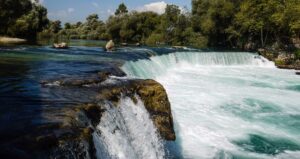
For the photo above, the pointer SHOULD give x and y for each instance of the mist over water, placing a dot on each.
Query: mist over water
(228, 105)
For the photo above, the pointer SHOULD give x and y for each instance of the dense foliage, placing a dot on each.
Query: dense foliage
(247, 22)
(22, 18)
(213, 23)
(172, 28)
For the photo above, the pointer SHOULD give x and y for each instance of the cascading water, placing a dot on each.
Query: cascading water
(228, 105)
(159, 65)
(127, 132)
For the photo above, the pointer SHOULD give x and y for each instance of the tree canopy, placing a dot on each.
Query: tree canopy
(122, 9)
(211, 23)
(22, 18)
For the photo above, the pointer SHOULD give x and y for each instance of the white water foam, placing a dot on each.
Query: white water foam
(222, 101)
(159, 65)
(127, 132)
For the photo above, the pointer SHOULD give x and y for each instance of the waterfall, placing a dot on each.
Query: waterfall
(127, 132)
(158, 65)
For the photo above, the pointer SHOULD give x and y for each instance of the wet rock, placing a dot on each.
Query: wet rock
(289, 67)
(297, 73)
(73, 136)
(155, 100)
(47, 141)
(93, 112)
(282, 59)
(86, 81)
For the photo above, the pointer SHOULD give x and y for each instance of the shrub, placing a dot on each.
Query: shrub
(154, 39)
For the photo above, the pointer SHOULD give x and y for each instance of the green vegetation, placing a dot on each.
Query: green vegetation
(297, 54)
(244, 24)
(22, 18)
(241, 22)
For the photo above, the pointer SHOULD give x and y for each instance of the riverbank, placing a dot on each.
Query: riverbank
(282, 59)
(11, 40)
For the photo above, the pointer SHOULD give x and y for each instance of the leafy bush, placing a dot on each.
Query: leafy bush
(297, 54)
(154, 39)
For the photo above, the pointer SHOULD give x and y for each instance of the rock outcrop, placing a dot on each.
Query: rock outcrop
(283, 60)
(155, 100)
(71, 136)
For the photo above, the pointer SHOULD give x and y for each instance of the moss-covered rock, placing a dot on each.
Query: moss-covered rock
(155, 100)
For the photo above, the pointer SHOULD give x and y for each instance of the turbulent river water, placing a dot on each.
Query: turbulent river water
(228, 105)
(224, 104)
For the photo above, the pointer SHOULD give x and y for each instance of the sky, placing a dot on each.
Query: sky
(77, 10)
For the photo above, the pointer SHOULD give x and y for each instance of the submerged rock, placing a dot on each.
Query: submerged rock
(86, 81)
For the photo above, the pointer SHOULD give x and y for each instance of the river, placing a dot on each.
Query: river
(225, 104)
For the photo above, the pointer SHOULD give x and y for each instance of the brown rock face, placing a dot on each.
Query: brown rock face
(157, 103)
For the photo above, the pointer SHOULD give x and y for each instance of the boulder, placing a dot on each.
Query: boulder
(110, 45)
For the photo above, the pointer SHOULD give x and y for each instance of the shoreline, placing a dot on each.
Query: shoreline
(11, 40)
(282, 59)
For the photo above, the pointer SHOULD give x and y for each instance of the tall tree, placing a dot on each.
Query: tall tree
(28, 25)
(213, 17)
(169, 23)
(122, 9)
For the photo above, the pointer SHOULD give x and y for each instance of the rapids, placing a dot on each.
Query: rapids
(228, 105)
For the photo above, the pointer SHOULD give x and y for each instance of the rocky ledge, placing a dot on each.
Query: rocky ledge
(282, 59)
(154, 97)
(71, 137)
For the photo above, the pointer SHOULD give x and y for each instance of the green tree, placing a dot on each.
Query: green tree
(55, 26)
(169, 23)
(213, 17)
(10, 11)
(122, 9)
(67, 26)
(30, 24)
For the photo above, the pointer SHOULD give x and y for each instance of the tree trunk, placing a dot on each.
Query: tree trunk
(262, 37)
